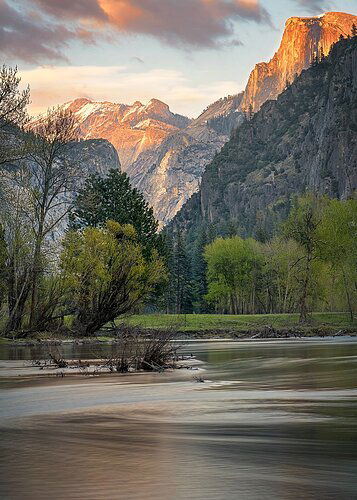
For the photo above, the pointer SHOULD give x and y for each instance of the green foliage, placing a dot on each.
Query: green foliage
(113, 198)
(302, 226)
(312, 265)
(199, 273)
(106, 274)
(179, 293)
(337, 235)
(233, 270)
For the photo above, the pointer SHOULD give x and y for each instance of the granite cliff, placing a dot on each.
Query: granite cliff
(169, 175)
(305, 140)
(304, 38)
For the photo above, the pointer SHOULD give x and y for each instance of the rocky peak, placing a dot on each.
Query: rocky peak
(157, 106)
(132, 129)
(304, 38)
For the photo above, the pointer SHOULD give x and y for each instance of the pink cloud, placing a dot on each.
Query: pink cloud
(181, 23)
(200, 23)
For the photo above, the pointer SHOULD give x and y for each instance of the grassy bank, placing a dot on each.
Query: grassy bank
(241, 323)
(206, 326)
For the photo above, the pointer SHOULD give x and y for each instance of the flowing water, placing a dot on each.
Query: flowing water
(273, 420)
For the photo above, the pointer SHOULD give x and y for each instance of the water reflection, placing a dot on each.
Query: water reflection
(272, 421)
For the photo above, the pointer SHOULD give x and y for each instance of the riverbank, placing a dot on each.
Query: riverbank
(210, 326)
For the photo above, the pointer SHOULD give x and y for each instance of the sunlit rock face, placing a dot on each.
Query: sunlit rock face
(131, 129)
(170, 174)
(163, 153)
(304, 38)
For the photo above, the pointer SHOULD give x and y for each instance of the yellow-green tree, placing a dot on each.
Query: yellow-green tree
(302, 226)
(106, 274)
(337, 235)
(234, 271)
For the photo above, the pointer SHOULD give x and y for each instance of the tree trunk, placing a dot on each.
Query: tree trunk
(16, 300)
(350, 310)
(36, 270)
(304, 294)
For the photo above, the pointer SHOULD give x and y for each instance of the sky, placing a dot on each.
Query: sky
(187, 53)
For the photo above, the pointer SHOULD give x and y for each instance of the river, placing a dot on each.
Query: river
(272, 420)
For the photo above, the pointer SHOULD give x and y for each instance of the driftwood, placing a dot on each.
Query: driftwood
(130, 352)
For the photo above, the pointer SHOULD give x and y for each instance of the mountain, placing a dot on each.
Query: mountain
(165, 154)
(169, 175)
(304, 38)
(305, 140)
(131, 129)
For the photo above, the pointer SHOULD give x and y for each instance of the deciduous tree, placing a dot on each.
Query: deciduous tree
(106, 274)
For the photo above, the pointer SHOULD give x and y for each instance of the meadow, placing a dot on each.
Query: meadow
(239, 323)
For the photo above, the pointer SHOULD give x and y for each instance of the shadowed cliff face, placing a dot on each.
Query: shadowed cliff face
(305, 140)
(304, 38)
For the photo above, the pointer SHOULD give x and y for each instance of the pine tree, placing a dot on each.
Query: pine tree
(113, 197)
(354, 30)
(180, 295)
(199, 272)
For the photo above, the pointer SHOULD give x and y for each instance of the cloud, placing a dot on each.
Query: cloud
(315, 6)
(41, 30)
(119, 84)
(72, 9)
(193, 23)
(25, 36)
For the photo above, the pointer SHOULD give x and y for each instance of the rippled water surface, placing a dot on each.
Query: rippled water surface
(273, 420)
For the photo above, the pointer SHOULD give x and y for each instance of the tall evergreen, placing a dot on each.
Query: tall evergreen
(199, 273)
(180, 286)
(113, 198)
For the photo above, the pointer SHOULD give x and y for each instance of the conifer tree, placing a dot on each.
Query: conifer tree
(180, 277)
(199, 272)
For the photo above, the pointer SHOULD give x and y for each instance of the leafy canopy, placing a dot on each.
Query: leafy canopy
(106, 274)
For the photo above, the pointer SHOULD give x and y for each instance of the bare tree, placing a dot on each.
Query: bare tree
(13, 103)
(18, 240)
(52, 178)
